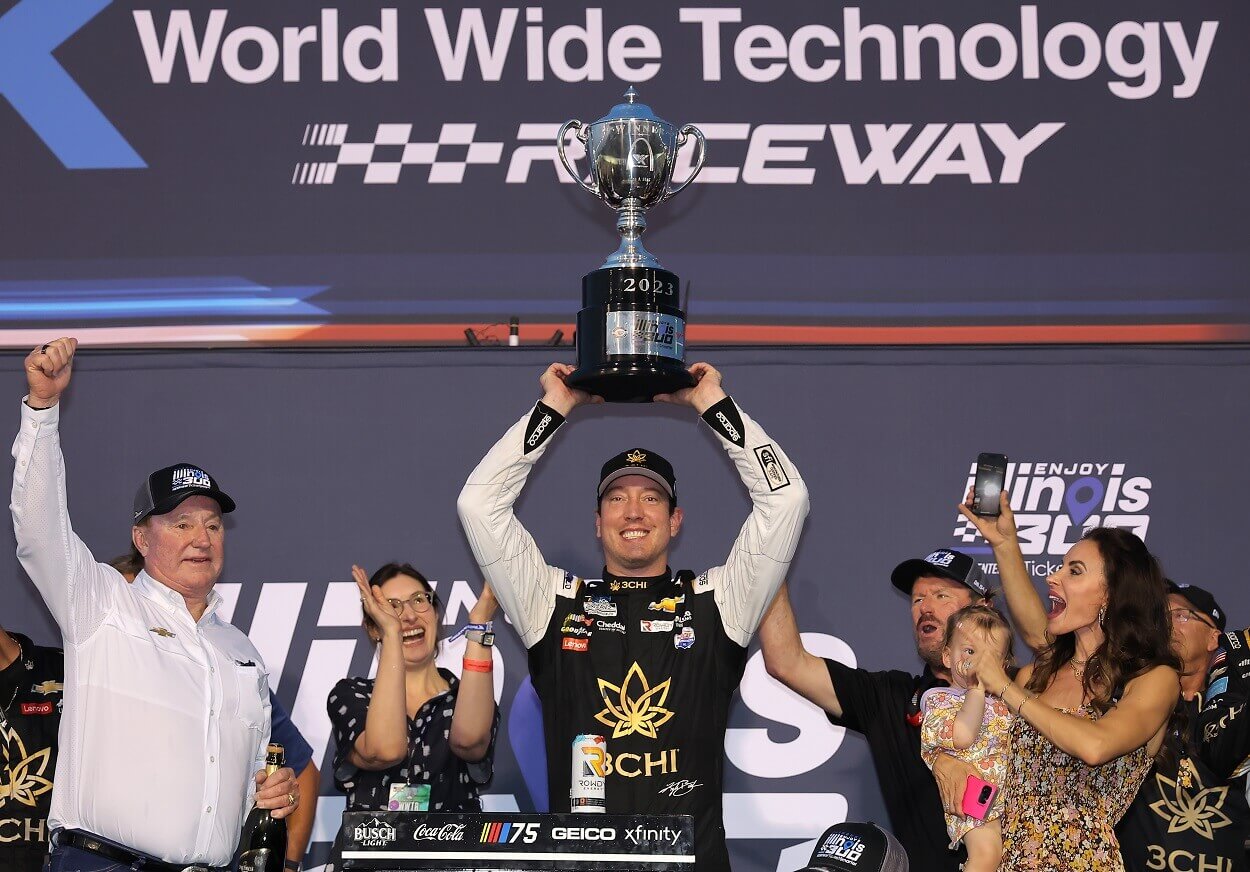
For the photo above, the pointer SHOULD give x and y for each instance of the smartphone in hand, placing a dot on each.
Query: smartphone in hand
(991, 475)
(978, 797)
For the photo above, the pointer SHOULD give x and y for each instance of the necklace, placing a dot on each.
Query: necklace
(4, 720)
(1078, 668)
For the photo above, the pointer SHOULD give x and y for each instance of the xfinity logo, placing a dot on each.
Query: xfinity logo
(637, 835)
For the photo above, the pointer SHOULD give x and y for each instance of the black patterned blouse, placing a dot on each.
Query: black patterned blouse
(453, 783)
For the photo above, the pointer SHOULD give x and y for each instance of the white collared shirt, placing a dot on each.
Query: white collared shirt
(166, 719)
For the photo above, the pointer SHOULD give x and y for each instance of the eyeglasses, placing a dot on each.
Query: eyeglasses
(1184, 616)
(420, 602)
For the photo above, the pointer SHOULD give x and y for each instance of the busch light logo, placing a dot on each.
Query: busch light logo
(940, 558)
(189, 476)
(842, 846)
(1056, 502)
(374, 833)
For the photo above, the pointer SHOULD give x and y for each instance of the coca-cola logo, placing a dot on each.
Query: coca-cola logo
(445, 833)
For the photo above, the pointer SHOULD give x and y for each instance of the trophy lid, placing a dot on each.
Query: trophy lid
(631, 108)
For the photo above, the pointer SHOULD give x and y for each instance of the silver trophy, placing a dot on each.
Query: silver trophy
(631, 332)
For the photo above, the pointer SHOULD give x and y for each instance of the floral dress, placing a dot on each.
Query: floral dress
(1060, 814)
(989, 754)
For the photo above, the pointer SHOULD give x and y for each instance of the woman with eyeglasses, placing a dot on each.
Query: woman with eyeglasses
(414, 738)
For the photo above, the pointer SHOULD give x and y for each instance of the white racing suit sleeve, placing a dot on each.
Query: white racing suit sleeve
(747, 582)
(507, 554)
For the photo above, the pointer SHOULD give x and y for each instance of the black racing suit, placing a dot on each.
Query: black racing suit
(32, 690)
(649, 663)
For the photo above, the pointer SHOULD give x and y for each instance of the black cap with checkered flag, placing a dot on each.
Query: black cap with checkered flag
(165, 489)
(856, 847)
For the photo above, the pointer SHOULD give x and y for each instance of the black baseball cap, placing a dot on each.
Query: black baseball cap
(163, 490)
(854, 847)
(945, 562)
(1201, 600)
(639, 461)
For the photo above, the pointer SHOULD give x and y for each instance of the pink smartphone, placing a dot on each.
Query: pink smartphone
(978, 797)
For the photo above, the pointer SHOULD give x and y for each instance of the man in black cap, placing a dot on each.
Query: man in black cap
(31, 694)
(885, 706)
(157, 681)
(646, 658)
(1191, 811)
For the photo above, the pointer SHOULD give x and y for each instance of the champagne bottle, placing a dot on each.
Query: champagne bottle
(264, 837)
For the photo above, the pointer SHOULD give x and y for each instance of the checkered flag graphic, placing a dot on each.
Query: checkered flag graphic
(392, 149)
(965, 531)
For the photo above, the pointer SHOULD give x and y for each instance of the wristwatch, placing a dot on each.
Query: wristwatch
(483, 637)
(294, 865)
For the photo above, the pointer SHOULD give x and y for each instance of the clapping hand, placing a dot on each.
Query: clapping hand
(375, 606)
(485, 607)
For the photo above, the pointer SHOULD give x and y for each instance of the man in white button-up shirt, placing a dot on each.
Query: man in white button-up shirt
(166, 705)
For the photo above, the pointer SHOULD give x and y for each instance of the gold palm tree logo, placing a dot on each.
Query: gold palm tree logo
(635, 706)
(22, 780)
(1200, 812)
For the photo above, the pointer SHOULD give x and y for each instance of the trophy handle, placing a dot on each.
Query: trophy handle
(564, 158)
(682, 135)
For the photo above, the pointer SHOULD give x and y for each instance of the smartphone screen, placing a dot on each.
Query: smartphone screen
(991, 475)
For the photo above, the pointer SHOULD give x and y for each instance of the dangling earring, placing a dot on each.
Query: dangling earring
(1102, 614)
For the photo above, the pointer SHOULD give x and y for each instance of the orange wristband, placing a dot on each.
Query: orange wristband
(479, 665)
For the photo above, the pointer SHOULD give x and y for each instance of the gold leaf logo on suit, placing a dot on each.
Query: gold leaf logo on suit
(634, 706)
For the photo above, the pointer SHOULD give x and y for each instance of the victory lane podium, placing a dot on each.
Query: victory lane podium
(388, 840)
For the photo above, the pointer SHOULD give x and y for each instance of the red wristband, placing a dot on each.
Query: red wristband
(479, 665)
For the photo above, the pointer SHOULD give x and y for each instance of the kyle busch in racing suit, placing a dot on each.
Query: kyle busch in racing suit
(646, 657)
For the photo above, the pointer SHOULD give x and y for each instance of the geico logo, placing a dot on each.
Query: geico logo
(599, 834)
(630, 765)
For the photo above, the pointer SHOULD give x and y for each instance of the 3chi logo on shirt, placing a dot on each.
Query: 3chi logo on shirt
(634, 706)
(1200, 810)
(26, 781)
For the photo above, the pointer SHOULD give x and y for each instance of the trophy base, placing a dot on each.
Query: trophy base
(631, 336)
(630, 381)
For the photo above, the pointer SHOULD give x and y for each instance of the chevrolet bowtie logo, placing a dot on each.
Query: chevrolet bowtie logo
(634, 706)
(48, 687)
(161, 631)
(636, 456)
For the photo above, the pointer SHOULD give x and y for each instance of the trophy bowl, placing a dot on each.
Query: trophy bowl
(631, 331)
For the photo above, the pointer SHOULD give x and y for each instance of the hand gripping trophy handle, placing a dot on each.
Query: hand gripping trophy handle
(583, 134)
(682, 136)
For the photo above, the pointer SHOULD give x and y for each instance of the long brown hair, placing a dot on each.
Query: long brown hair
(1136, 626)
